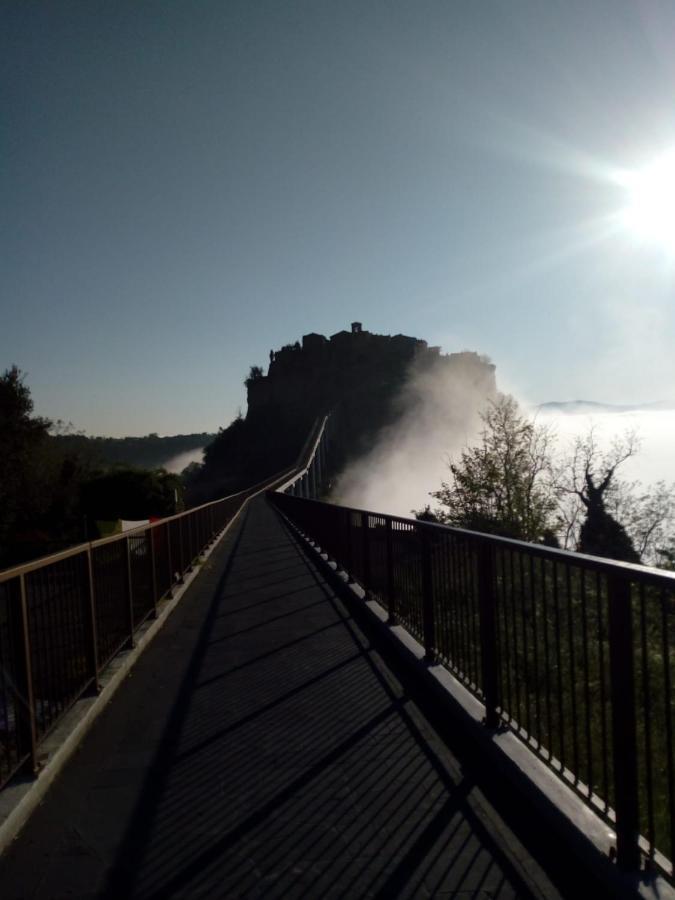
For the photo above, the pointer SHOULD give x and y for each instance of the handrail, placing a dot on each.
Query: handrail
(599, 563)
(65, 616)
(292, 472)
(39, 562)
(575, 654)
(312, 444)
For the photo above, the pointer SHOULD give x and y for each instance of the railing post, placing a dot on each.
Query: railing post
(391, 600)
(130, 593)
(429, 624)
(190, 542)
(366, 554)
(322, 451)
(197, 545)
(349, 552)
(488, 632)
(153, 569)
(167, 531)
(181, 550)
(319, 470)
(624, 731)
(90, 619)
(24, 698)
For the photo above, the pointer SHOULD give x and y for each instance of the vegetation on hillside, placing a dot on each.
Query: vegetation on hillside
(52, 492)
(149, 452)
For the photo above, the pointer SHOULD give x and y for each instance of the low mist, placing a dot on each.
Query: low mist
(177, 463)
(655, 430)
(440, 410)
(440, 407)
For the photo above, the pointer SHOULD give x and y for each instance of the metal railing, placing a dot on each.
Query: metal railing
(64, 617)
(310, 478)
(574, 653)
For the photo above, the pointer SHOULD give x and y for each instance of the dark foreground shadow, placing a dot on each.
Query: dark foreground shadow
(293, 764)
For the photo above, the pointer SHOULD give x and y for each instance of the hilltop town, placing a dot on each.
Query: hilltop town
(355, 375)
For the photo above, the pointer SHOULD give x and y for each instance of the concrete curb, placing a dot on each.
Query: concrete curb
(586, 836)
(23, 794)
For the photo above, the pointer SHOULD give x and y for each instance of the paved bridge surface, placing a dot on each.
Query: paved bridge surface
(262, 747)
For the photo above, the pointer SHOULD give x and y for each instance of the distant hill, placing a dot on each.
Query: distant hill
(149, 452)
(588, 407)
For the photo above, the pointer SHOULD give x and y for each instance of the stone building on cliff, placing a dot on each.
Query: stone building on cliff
(354, 374)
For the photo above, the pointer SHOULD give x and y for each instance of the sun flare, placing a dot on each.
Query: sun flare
(650, 212)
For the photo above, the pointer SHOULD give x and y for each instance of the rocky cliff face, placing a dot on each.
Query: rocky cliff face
(355, 375)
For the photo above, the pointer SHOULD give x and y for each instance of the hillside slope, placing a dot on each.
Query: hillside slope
(149, 452)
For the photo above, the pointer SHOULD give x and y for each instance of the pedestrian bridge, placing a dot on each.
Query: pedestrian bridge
(340, 703)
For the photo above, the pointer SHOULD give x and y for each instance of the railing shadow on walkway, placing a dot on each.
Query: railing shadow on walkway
(298, 766)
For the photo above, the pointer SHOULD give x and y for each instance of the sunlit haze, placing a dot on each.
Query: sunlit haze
(655, 431)
(650, 212)
(402, 470)
(187, 186)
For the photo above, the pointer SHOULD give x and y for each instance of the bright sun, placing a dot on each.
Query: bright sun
(650, 213)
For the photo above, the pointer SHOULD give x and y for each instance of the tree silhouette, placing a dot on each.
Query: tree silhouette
(22, 435)
(593, 481)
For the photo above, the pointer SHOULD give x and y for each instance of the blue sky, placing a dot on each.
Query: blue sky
(187, 185)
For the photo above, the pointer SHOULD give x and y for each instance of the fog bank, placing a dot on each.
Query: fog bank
(655, 460)
(177, 463)
(439, 415)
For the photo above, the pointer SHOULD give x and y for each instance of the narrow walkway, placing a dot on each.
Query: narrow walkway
(261, 748)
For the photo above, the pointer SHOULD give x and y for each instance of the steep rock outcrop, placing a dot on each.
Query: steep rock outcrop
(355, 375)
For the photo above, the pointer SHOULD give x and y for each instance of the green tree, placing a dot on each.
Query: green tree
(255, 374)
(512, 483)
(593, 481)
(23, 498)
(605, 515)
(505, 483)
